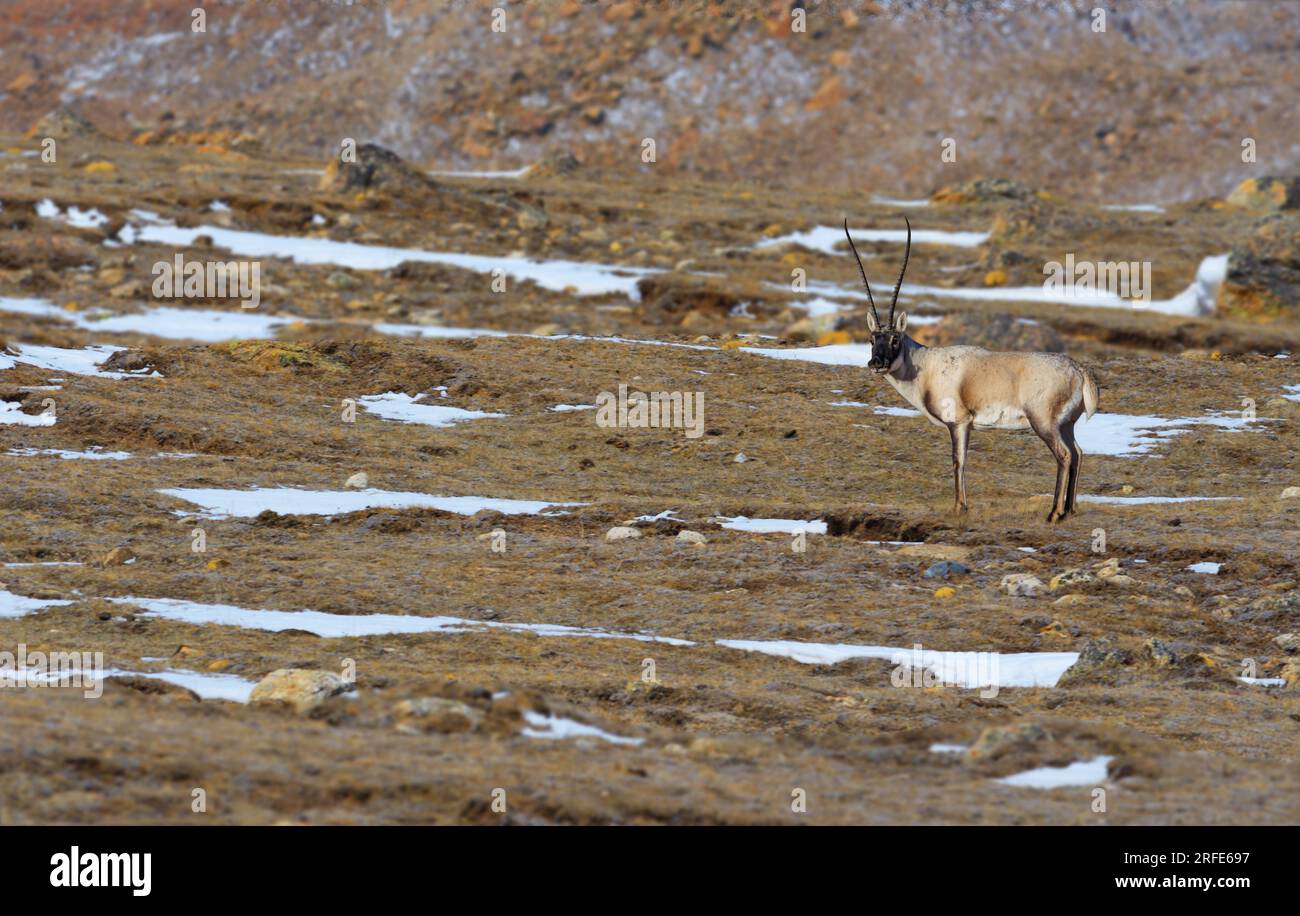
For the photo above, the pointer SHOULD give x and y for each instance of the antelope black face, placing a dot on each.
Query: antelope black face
(886, 338)
(885, 347)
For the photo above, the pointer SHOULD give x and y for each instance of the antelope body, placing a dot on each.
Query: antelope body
(961, 388)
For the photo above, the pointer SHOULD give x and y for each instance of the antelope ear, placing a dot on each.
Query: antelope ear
(872, 324)
(900, 322)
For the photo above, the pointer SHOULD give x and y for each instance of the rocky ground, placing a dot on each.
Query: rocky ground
(426, 727)
(858, 95)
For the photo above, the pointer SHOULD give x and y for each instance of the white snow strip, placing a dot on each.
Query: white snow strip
(1135, 208)
(542, 725)
(1080, 773)
(510, 173)
(11, 414)
(1197, 299)
(900, 201)
(207, 325)
(75, 217)
(209, 686)
(568, 408)
(94, 453)
(667, 514)
(83, 361)
(827, 239)
(772, 525)
(223, 503)
(333, 626)
(12, 606)
(948, 749)
(1263, 681)
(964, 669)
(579, 277)
(1294, 389)
(1207, 567)
(830, 355)
(401, 407)
(1125, 435)
(434, 331)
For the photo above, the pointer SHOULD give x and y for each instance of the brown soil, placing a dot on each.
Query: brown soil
(728, 735)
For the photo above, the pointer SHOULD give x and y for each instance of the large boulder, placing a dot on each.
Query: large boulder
(1268, 193)
(374, 168)
(1263, 278)
(301, 689)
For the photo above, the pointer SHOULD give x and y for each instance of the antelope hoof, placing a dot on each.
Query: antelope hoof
(1053, 517)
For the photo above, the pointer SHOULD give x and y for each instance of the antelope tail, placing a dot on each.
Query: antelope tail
(1091, 394)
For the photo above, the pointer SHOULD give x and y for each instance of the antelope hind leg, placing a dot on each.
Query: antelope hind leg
(1064, 456)
(960, 433)
(1076, 465)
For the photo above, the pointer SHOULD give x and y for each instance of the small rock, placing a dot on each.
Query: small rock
(692, 537)
(1100, 652)
(1288, 642)
(622, 533)
(740, 458)
(997, 740)
(946, 591)
(1107, 568)
(1160, 653)
(301, 688)
(358, 481)
(437, 714)
(1070, 577)
(945, 568)
(1120, 581)
(1291, 493)
(1021, 585)
(1072, 600)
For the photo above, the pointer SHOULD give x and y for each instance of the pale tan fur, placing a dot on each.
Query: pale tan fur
(969, 387)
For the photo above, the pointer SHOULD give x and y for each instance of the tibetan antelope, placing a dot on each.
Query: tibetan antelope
(961, 387)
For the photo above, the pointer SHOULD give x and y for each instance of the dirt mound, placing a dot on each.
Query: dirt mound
(983, 191)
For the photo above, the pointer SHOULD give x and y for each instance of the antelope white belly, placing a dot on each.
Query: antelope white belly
(1001, 418)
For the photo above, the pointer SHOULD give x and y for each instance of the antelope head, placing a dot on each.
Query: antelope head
(886, 339)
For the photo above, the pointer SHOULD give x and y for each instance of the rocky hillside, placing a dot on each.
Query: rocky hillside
(861, 99)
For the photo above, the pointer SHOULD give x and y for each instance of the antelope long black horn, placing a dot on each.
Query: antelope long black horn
(861, 270)
(899, 285)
